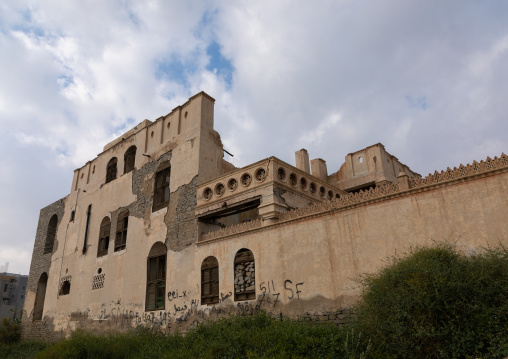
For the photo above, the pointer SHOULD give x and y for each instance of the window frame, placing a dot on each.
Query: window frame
(244, 255)
(129, 159)
(104, 237)
(161, 187)
(156, 299)
(122, 223)
(210, 280)
(112, 170)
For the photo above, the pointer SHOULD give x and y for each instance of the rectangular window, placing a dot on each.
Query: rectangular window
(156, 283)
(210, 285)
(121, 231)
(161, 189)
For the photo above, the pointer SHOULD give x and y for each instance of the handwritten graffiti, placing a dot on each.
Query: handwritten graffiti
(175, 295)
(271, 296)
(223, 296)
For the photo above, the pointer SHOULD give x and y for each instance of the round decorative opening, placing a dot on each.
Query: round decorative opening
(322, 191)
(246, 179)
(330, 195)
(169, 125)
(312, 188)
(232, 184)
(185, 115)
(99, 271)
(292, 179)
(360, 159)
(260, 174)
(281, 174)
(219, 189)
(151, 135)
(303, 184)
(207, 193)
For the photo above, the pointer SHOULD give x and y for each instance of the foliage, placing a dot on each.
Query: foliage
(21, 349)
(438, 303)
(10, 331)
(258, 336)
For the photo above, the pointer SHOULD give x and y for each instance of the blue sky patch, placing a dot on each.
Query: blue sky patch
(417, 102)
(219, 63)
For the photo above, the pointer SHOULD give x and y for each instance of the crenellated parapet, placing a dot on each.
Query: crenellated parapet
(461, 172)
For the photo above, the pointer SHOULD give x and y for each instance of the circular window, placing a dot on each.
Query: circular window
(322, 191)
(232, 184)
(292, 179)
(281, 174)
(219, 189)
(207, 193)
(330, 195)
(303, 184)
(260, 174)
(246, 179)
(99, 271)
(312, 188)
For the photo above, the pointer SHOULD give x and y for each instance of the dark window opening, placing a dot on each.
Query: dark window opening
(236, 214)
(129, 159)
(40, 296)
(161, 189)
(73, 214)
(156, 278)
(66, 288)
(5, 288)
(210, 281)
(104, 232)
(111, 170)
(364, 187)
(245, 275)
(121, 231)
(51, 234)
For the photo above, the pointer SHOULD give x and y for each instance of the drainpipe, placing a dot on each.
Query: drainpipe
(88, 212)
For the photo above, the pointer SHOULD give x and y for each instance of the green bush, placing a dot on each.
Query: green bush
(10, 331)
(438, 303)
(258, 336)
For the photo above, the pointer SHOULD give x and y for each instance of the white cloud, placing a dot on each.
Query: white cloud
(333, 76)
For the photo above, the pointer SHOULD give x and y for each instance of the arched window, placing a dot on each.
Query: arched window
(121, 230)
(51, 234)
(156, 277)
(103, 245)
(245, 279)
(161, 187)
(129, 159)
(40, 295)
(210, 281)
(111, 170)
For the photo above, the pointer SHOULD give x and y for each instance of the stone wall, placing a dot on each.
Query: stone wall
(40, 264)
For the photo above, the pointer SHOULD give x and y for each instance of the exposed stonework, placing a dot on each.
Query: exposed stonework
(180, 219)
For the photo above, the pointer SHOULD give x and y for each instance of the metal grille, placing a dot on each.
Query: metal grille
(98, 281)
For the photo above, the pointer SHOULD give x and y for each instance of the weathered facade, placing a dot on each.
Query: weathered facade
(159, 230)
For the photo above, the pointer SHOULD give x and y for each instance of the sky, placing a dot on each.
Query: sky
(427, 78)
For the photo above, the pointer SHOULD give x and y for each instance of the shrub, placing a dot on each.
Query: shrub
(10, 332)
(438, 303)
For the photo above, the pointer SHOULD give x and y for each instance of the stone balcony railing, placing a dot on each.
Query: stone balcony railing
(267, 172)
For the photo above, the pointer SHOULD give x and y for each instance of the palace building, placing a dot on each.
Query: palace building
(159, 230)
